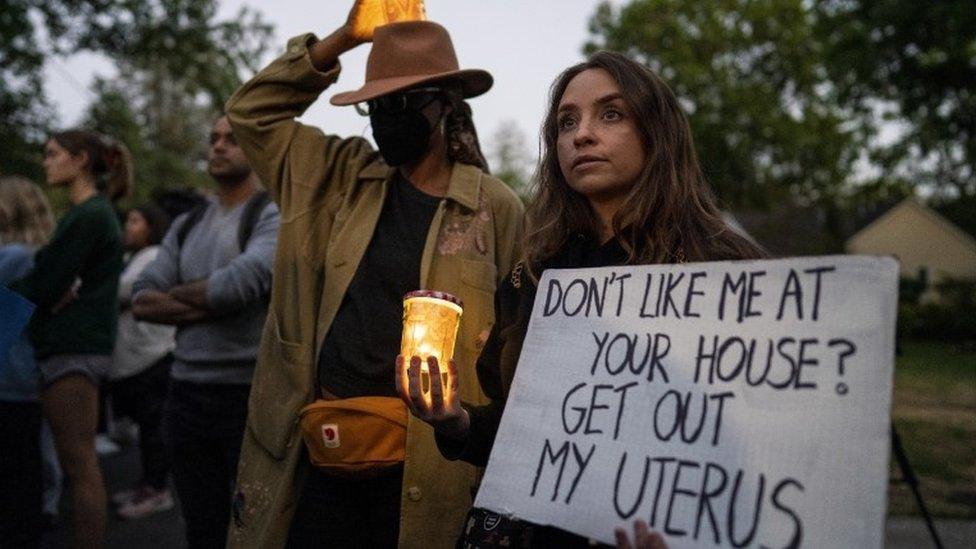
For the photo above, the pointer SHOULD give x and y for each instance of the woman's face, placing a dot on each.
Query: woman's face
(136, 231)
(60, 166)
(599, 146)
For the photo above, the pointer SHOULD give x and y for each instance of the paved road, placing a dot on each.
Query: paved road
(165, 530)
(911, 533)
(160, 531)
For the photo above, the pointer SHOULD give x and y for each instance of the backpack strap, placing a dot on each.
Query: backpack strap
(192, 218)
(249, 217)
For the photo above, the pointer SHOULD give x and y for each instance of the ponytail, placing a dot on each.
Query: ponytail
(462, 137)
(118, 170)
(109, 160)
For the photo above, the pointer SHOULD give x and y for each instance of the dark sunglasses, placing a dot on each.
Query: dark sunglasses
(395, 103)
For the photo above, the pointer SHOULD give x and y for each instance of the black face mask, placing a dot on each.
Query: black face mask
(401, 137)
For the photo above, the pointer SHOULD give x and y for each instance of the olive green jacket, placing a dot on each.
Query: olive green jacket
(330, 192)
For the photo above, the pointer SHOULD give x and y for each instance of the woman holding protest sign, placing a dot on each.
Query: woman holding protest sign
(619, 183)
(359, 230)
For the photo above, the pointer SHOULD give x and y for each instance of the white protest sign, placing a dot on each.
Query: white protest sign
(733, 404)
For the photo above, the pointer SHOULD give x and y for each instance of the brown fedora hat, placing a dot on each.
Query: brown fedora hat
(408, 54)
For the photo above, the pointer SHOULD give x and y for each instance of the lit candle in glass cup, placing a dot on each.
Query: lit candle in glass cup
(430, 326)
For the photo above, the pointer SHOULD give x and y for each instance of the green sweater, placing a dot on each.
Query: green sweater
(87, 244)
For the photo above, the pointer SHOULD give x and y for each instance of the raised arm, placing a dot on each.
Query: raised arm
(282, 151)
(325, 53)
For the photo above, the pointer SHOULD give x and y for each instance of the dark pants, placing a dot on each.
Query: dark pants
(141, 398)
(20, 474)
(340, 513)
(203, 426)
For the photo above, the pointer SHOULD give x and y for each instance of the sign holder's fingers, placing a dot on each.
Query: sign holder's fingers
(656, 541)
(621, 536)
(642, 537)
(436, 386)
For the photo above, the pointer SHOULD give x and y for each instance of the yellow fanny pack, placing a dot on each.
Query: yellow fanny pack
(355, 437)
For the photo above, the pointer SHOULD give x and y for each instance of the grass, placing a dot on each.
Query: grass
(935, 413)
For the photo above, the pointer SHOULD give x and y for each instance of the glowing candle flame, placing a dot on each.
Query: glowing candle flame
(369, 14)
(430, 326)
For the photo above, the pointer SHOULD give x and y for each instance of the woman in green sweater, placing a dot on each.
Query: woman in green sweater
(74, 284)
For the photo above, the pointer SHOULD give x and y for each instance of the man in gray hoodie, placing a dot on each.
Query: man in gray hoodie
(212, 279)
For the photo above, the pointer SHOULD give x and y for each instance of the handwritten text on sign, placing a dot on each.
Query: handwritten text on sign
(734, 404)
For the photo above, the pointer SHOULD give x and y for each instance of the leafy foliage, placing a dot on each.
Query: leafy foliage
(510, 158)
(750, 75)
(920, 59)
(786, 96)
(177, 64)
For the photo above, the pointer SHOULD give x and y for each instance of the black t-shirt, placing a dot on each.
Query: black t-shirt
(358, 354)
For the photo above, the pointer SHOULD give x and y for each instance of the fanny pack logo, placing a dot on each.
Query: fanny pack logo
(330, 435)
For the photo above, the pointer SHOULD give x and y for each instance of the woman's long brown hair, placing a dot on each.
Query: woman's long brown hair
(670, 214)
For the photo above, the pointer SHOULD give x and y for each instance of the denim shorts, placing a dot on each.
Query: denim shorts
(94, 367)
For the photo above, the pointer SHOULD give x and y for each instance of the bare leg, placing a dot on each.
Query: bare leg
(71, 407)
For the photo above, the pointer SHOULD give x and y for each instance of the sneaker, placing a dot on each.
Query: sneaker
(49, 521)
(125, 496)
(104, 446)
(147, 502)
(124, 431)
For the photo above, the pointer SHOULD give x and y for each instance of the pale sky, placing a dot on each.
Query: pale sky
(523, 43)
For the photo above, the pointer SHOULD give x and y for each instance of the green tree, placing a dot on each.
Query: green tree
(511, 160)
(177, 64)
(168, 153)
(30, 31)
(183, 40)
(750, 75)
(919, 57)
(25, 115)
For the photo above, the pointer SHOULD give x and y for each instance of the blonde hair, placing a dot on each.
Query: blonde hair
(25, 215)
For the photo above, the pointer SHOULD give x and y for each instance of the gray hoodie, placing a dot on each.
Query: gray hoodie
(222, 349)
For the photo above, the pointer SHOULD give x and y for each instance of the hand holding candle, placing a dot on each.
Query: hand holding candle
(440, 406)
(426, 376)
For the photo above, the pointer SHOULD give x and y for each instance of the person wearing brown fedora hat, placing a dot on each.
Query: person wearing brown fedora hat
(361, 228)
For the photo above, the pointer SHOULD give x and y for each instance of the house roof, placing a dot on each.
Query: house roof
(951, 229)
